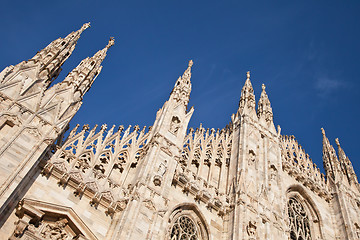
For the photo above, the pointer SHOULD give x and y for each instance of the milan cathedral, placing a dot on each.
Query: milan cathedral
(166, 181)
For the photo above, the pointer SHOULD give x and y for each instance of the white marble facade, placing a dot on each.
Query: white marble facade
(167, 181)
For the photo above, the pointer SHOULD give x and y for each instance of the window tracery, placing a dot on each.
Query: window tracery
(187, 223)
(299, 223)
(184, 229)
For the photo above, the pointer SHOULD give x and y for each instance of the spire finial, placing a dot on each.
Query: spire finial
(111, 42)
(187, 74)
(337, 142)
(263, 87)
(191, 63)
(248, 75)
(85, 26)
(323, 131)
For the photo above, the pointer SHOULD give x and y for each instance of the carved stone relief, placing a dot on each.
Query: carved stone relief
(55, 231)
(251, 230)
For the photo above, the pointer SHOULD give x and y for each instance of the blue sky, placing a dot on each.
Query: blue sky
(305, 52)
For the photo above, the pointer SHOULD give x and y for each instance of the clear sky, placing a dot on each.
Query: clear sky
(305, 52)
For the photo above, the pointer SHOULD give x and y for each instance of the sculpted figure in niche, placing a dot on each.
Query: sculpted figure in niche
(252, 157)
(56, 231)
(175, 125)
(251, 230)
(273, 173)
(159, 174)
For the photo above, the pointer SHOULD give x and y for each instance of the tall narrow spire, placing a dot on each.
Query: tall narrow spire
(52, 57)
(264, 107)
(331, 162)
(346, 164)
(247, 99)
(83, 76)
(182, 89)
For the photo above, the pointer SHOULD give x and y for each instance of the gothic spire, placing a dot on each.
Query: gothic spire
(52, 57)
(247, 99)
(346, 164)
(331, 162)
(264, 107)
(182, 89)
(83, 76)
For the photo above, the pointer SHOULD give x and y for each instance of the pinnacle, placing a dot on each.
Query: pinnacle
(85, 26)
(323, 132)
(191, 63)
(337, 142)
(187, 73)
(111, 42)
(247, 97)
(325, 139)
(248, 82)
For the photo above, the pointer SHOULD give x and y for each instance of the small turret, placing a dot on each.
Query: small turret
(67, 95)
(346, 164)
(36, 74)
(247, 99)
(83, 76)
(264, 111)
(182, 89)
(52, 57)
(173, 118)
(331, 162)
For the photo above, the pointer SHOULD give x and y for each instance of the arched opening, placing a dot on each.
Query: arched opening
(184, 228)
(303, 216)
(299, 224)
(187, 223)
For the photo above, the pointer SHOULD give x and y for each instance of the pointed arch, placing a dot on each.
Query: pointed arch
(187, 220)
(298, 198)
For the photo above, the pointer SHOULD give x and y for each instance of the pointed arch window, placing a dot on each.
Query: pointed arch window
(187, 223)
(299, 224)
(184, 228)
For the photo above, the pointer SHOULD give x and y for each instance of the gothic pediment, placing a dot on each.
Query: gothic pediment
(41, 220)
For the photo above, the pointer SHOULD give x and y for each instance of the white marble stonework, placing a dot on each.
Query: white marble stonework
(166, 181)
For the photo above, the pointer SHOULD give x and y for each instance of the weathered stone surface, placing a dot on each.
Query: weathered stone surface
(245, 181)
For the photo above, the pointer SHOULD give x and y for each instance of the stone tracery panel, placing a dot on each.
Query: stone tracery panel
(99, 164)
(187, 223)
(184, 228)
(304, 220)
(298, 221)
(205, 153)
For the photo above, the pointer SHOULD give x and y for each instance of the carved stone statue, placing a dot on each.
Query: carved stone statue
(55, 231)
(175, 125)
(251, 230)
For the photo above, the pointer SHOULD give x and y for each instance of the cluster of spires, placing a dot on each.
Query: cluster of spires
(52, 57)
(247, 105)
(338, 169)
(182, 89)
